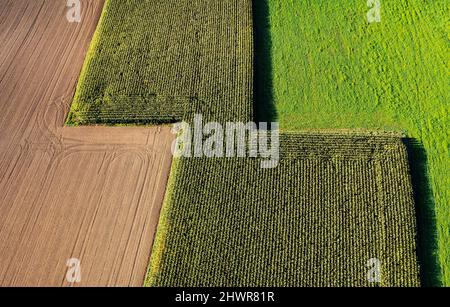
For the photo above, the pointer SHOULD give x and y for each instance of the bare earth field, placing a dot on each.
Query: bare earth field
(91, 193)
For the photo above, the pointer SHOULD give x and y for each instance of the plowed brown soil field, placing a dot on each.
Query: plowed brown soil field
(90, 193)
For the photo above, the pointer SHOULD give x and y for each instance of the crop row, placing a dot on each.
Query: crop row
(190, 49)
(308, 222)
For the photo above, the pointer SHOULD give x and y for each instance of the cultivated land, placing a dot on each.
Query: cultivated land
(227, 222)
(94, 193)
(320, 65)
(334, 202)
(87, 193)
(160, 61)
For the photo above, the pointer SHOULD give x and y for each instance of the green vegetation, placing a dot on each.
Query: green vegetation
(320, 64)
(155, 61)
(333, 203)
(336, 200)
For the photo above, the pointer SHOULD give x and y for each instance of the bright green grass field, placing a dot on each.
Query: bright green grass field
(332, 69)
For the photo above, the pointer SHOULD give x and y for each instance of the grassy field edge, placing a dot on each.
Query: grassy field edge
(72, 117)
(163, 226)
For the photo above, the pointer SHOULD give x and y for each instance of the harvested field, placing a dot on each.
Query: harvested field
(333, 203)
(161, 61)
(90, 193)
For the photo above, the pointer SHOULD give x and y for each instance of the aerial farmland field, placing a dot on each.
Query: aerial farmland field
(89, 193)
(224, 143)
(334, 202)
(158, 70)
(326, 67)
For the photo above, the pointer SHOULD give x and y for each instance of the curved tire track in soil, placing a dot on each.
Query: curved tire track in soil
(92, 193)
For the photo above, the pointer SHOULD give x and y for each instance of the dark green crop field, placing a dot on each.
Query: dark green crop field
(155, 61)
(334, 202)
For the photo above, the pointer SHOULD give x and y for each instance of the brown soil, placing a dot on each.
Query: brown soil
(91, 193)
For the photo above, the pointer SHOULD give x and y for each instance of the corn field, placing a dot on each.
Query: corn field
(155, 61)
(333, 203)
